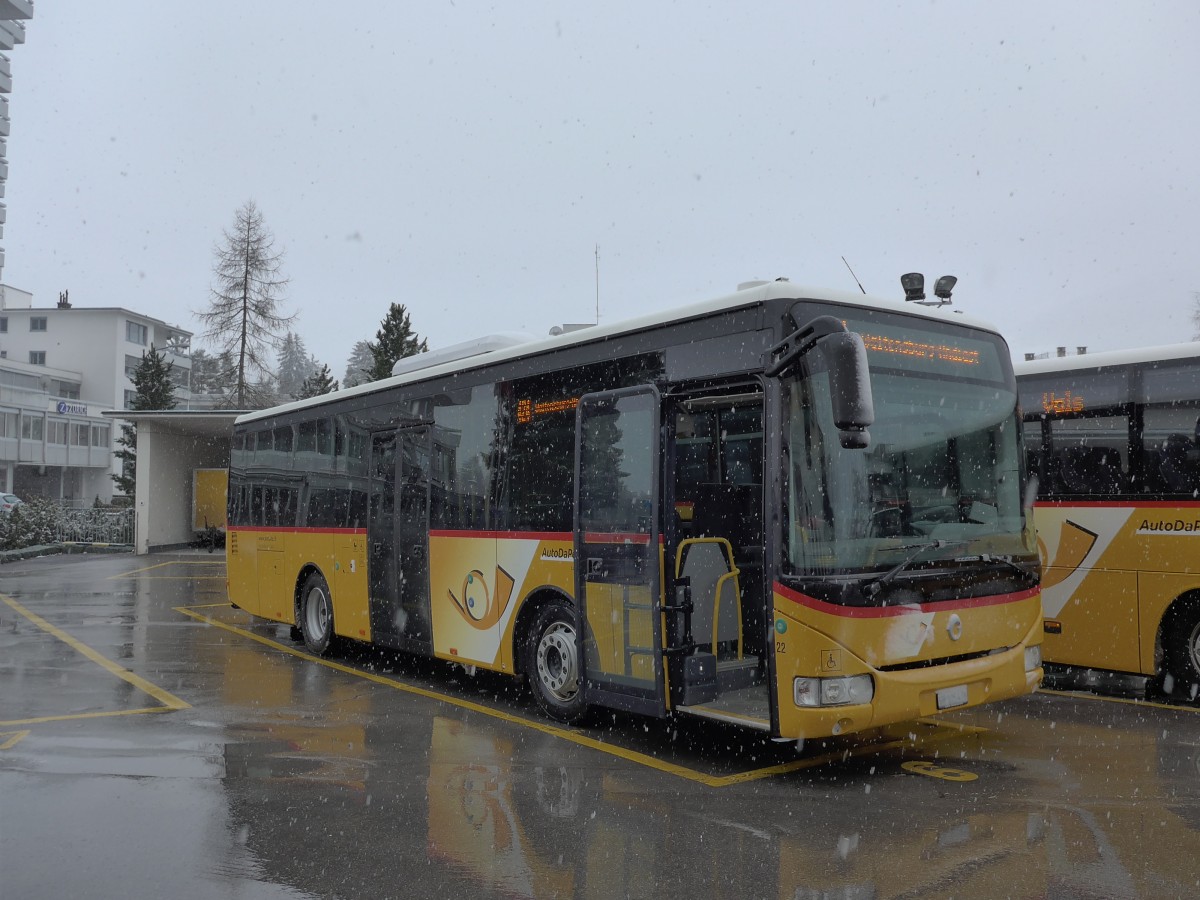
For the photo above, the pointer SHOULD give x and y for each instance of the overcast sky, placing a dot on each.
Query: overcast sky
(465, 159)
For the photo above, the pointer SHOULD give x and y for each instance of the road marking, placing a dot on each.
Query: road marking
(933, 770)
(13, 738)
(172, 562)
(948, 730)
(168, 700)
(1083, 695)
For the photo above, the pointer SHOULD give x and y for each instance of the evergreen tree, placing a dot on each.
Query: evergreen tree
(318, 383)
(153, 389)
(243, 317)
(394, 340)
(358, 367)
(295, 365)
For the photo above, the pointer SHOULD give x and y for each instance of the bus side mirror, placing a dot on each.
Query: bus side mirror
(850, 388)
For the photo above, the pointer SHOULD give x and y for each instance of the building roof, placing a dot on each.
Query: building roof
(186, 422)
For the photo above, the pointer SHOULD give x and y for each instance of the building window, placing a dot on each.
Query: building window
(99, 435)
(135, 333)
(130, 396)
(8, 425)
(3, 324)
(31, 426)
(37, 323)
(80, 432)
(131, 364)
(56, 431)
(37, 357)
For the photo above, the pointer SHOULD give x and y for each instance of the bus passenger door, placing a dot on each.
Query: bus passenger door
(398, 537)
(618, 581)
(382, 571)
(412, 534)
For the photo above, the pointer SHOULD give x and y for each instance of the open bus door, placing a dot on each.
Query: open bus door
(618, 579)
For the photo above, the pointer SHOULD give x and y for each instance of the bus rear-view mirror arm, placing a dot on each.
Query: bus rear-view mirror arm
(849, 379)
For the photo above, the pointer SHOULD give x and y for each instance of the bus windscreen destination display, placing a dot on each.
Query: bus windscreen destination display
(527, 409)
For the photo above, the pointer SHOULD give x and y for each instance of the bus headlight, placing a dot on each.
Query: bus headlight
(833, 691)
(1033, 657)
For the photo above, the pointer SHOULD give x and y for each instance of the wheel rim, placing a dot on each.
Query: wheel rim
(557, 662)
(1193, 646)
(316, 612)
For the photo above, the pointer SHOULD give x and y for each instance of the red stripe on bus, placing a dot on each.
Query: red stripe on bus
(504, 535)
(882, 612)
(1122, 504)
(616, 537)
(292, 529)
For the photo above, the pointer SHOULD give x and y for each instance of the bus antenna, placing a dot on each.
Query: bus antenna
(855, 277)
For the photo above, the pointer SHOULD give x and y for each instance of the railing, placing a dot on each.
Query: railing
(96, 526)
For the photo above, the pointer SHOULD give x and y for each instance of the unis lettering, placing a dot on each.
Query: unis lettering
(1173, 526)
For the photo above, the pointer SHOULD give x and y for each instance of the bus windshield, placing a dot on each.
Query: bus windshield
(942, 477)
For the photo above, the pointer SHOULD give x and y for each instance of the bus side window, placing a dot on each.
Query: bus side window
(1086, 458)
(1170, 450)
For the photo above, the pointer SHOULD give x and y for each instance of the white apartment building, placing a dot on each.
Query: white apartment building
(60, 367)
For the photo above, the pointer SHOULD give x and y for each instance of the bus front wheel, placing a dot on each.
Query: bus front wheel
(1183, 649)
(552, 663)
(316, 614)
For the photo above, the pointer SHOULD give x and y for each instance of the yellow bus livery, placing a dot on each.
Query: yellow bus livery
(798, 511)
(1113, 439)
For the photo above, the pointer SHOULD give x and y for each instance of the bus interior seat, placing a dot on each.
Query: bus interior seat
(708, 565)
(1177, 464)
(1091, 470)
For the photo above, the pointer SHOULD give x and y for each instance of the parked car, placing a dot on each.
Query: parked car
(9, 501)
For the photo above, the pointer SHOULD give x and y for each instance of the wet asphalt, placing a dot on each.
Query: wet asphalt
(155, 742)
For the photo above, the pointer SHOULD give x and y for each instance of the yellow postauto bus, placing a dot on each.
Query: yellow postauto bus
(1113, 438)
(800, 511)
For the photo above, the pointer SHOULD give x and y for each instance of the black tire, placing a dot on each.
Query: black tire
(1182, 645)
(552, 663)
(315, 615)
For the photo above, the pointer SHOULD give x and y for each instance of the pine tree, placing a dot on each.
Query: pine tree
(153, 389)
(394, 340)
(358, 367)
(243, 318)
(295, 365)
(318, 383)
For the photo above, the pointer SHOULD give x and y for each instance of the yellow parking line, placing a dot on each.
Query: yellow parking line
(1084, 695)
(144, 569)
(89, 715)
(13, 738)
(167, 699)
(576, 737)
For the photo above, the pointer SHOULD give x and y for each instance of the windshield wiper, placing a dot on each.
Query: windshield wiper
(1016, 567)
(875, 585)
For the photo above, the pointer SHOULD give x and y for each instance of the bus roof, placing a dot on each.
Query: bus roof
(754, 295)
(1134, 356)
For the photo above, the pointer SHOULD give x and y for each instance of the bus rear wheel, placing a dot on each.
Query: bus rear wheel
(552, 663)
(316, 614)
(1183, 651)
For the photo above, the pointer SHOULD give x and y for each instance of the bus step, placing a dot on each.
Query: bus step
(737, 673)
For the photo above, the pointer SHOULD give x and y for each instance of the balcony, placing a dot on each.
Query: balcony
(11, 34)
(16, 9)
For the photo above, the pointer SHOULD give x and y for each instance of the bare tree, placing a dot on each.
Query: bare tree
(243, 317)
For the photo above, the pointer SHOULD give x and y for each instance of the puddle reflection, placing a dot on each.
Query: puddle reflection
(341, 787)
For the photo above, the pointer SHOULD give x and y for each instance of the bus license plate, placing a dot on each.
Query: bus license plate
(952, 696)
